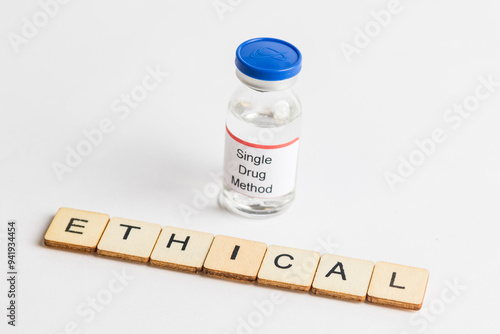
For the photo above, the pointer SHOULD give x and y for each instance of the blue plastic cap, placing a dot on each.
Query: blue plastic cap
(268, 59)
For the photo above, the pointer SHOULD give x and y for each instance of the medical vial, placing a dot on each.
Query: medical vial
(262, 130)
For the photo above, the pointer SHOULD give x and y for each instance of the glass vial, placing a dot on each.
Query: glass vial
(262, 130)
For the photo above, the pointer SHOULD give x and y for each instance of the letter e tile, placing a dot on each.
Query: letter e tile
(76, 230)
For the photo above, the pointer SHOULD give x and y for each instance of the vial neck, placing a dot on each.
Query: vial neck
(265, 86)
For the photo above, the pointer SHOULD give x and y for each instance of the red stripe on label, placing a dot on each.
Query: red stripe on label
(265, 147)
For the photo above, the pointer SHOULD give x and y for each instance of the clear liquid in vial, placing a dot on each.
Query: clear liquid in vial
(261, 118)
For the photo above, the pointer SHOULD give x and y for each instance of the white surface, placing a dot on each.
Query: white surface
(358, 118)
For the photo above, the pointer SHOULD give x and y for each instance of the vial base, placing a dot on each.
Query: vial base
(253, 207)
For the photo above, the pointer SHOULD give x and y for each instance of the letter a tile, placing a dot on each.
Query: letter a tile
(76, 230)
(398, 285)
(181, 249)
(288, 268)
(234, 258)
(342, 277)
(128, 239)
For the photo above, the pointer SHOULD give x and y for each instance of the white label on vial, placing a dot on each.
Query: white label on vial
(264, 171)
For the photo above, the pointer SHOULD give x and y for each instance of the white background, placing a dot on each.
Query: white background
(359, 117)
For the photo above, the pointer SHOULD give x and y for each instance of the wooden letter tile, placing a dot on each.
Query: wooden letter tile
(76, 230)
(234, 258)
(342, 277)
(128, 239)
(181, 249)
(288, 268)
(397, 285)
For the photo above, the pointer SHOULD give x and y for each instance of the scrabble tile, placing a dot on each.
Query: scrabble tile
(181, 249)
(128, 239)
(342, 277)
(288, 268)
(234, 258)
(76, 230)
(397, 285)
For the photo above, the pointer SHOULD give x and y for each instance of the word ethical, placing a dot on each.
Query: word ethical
(238, 259)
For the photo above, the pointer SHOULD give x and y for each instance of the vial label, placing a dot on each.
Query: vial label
(263, 171)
